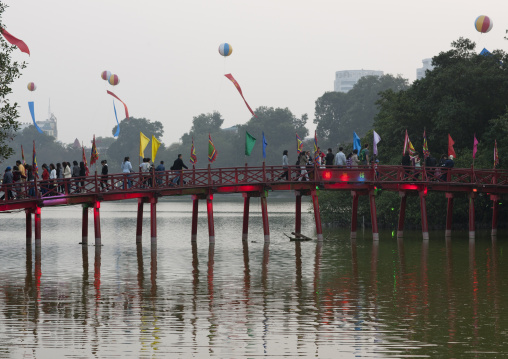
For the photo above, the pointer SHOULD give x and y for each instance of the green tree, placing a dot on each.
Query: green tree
(9, 71)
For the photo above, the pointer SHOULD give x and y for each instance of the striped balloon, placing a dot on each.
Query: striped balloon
(31, 86)
(483, 24)
(105, 75)
(113, 80)
(225, 49)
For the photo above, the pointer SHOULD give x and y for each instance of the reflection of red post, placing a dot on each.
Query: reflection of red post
(194, 230)
(246, 205)
(264, 213)
(471, 216)
(37, 218)
(97, 223)
(139, 222)
(354, 214)
(28, 214)
(449, 215)
(495, 213)
(423, 209)
(298, 213)
(373, 215)
(317, 215)
(402, 214)
(84, 224)
(153, 219)
(209, 210)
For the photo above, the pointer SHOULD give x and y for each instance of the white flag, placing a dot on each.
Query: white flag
(376, 141)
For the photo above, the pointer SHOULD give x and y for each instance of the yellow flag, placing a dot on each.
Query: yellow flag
(143, 142)
(155, 146)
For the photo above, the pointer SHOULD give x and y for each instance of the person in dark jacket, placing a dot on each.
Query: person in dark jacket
(330, 157)
(406, 162)
(7, 183)
(430, 163)
(82, 173)
(178, 165)
(104, 173)
(160, 168)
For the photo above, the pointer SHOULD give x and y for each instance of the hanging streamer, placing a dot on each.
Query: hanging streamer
(124, 105)
(118, 123)
(15, 41)
(32, 112)
(237, 85)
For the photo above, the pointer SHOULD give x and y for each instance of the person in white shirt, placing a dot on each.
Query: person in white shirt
(127, 168)
(340, 158)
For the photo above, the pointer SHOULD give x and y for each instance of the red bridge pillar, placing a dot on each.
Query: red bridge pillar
(139, 222)
(97, 223)
(423, 209)
(84, 224)
(209, 210)
(373, 215)
(402, 214)
(246, 207)
(37, 218)
(153, 219)
(495, 213)
(298, 212)
(471, 216)
(449, 215)
(317, 215)
(354, 214)
(264, 213)
(28, 214)
(194, 230)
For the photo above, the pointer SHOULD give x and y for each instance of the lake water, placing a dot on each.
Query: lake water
(342, 298)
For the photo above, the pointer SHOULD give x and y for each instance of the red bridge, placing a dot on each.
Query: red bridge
(202, 184)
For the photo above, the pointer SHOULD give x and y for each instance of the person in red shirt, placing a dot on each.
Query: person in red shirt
(45, 179)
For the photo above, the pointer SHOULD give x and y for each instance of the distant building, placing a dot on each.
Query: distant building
(427, 65)
(49, 126)
(345, 80)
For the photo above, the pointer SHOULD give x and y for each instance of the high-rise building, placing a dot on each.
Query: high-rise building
(345, 80)
(427, 65)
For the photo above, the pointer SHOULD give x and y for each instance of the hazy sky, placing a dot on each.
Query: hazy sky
(285, 53)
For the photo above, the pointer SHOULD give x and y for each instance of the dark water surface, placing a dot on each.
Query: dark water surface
(392, 298)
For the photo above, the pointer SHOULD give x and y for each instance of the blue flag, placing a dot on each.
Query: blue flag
(118, 128)
(32, 112)
(356, 142)
(264, 145)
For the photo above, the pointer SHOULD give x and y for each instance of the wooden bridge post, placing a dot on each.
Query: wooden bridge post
(97, 222)
(194, 229)
(317, 215)
(472, 224)
(373, 215)
(84, 224)
(37, 219)
(139, 222)
(209, 210)
(449, 214)
(28, 214)
(495, 213)
(354, 214)
(402, 214)
(298, 212)
(153, 219)
(264, 213)
(246, 207)
(423, 209)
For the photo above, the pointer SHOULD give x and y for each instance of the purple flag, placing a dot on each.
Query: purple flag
(475, 146)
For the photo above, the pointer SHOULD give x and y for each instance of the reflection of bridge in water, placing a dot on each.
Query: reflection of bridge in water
(202, 184)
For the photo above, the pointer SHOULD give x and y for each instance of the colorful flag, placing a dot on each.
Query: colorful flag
(316, 152)
(155, 147)
(35, 168)
(23, 156)
(475, 146)
(15, 41)
(193, 157)
(356, 143)
(250, 141)
(264, 145)
(426, 152)
(299, 144)
(377, 138)
(212, 153)
(496, 155)
(408, 146)
(237, 85)
(451, 151)
(143, 142)
(32, 112)
(87, 172)
(94, 154)
(124, 105)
